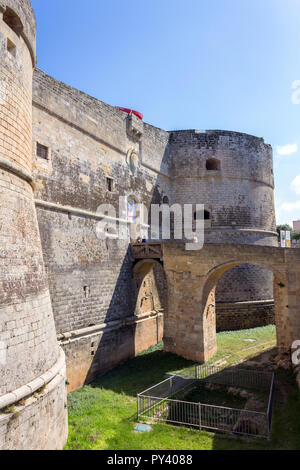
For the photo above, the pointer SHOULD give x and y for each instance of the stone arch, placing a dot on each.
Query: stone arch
(13, 21)
(245, 298)
(149, 279)
(150, 295)
(213, 276)
(190, 323)
(208, 303)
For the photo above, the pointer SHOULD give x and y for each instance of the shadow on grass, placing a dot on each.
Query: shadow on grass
(148, 369)
(145, 370)
(286, 410)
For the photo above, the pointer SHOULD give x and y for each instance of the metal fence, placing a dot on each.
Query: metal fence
(161, 402)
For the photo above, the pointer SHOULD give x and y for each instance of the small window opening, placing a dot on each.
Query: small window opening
(42, 151)
(110, 184)
(86, 291)
(206, 215)
(165, 200)
(13, 21)
(213, 164)
(11, 47)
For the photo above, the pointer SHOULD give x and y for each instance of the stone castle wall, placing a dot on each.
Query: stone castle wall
(90, 280)
(192, 279)
(62, 155)
(62, 281)
(239, 198)
(244, 315)
(28, 344)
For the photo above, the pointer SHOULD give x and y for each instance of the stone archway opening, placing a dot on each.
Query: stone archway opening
(150, 298)
(245, 298)
(190, 323)
(208, 306)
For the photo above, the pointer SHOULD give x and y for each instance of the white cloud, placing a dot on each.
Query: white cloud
(286, 149)
(295, 185)
(290, 206)
(286, 212)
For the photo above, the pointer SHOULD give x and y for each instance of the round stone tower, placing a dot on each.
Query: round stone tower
(232, 175)
(33, 411)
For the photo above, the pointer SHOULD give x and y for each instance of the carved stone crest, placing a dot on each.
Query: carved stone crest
(132, 161)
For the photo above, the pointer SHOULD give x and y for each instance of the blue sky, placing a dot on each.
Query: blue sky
(204, 64)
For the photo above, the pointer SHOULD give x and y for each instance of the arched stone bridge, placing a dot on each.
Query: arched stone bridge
(192, 276)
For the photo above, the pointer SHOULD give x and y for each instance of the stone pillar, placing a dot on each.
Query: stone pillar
(282, 311)
(189, 326)
(33, 411)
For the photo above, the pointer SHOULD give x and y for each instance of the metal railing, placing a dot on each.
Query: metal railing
(160, 403)
(270, 406)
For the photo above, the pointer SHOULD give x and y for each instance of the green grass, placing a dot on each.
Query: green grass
(233, 345)
(102, 415)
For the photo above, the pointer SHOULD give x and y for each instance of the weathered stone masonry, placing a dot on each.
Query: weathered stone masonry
(192, 277)
(239, 199)
(89, 141)
(32, 366)
(77, 153)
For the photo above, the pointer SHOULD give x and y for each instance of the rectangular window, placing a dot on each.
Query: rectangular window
(42, 151)
(110, 184)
